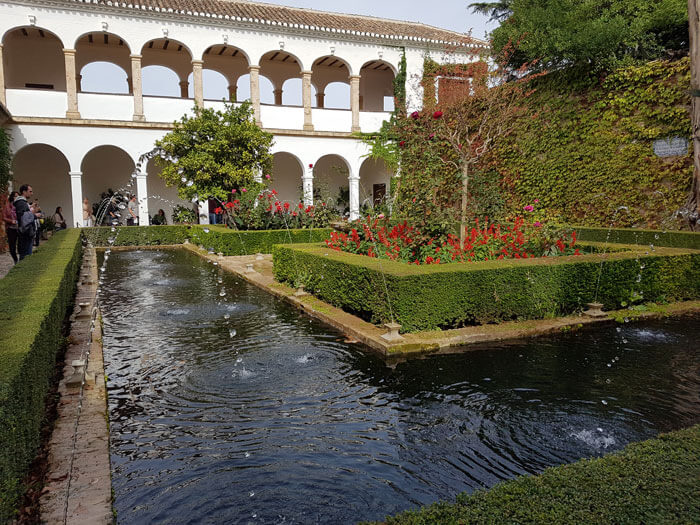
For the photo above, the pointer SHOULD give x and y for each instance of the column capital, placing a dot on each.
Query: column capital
(355, 77)
(198, 63)
(135, 57)
(253, 68)
(68, 51)
(307, 73)
(75, 173)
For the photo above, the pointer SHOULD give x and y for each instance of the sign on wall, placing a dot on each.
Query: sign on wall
(671, 147)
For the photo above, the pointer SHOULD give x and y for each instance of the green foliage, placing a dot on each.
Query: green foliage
(688, 240)
(5, 160)
(184, 215)
(35, 297)
(588, 155)
(217, 238)
(592, 35)
(400, 85)
(213, 152)
(653, 481)
(449, 296)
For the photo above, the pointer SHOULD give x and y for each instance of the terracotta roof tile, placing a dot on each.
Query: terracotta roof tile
(304, 17)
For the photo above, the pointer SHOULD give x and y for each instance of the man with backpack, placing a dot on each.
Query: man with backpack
(25, 222)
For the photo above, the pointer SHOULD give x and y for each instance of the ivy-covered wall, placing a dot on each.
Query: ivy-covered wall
(587, 155)
(5, 162)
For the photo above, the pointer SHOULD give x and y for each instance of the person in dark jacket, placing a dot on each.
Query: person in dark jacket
(25, 241)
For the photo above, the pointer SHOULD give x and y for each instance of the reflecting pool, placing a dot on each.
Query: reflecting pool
(230, 406)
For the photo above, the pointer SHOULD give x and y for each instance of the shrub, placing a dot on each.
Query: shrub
(35, 297)
(450, 296)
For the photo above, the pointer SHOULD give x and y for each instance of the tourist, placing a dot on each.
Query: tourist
(25, 222)
(59, 223)
(9, 217)
(88, 217)
(212, 211)
(159, 218)
(133, 219)
(38, 220)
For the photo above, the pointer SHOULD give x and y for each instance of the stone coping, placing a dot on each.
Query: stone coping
(78, 487)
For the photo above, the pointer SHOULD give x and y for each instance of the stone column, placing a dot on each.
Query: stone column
(320, 99)
(255, 92)
(3, 100)
(278, 97)
(307, 184)
(184, 85)
(136, 86)
(306, 97)
(197, 80)
(203, 212)
(354, 197)
(71, 84)
(355, 101)
(76, 190)
(142, 197)
(233, 92)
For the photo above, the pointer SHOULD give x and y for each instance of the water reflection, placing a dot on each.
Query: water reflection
(284, 422)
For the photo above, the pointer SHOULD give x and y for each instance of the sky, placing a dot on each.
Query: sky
(454, 15)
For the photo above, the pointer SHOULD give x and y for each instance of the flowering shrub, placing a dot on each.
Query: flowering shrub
(250, 210)
(376, 238)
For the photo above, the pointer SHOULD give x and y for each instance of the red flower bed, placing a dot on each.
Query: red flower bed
(375, 238)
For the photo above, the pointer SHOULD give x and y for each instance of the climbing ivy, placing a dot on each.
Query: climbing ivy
(400, 85)
(5, 160)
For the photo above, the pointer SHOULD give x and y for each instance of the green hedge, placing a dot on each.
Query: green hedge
(220, 239)
(452, 295)
(674, 239)
(654, 481)
(35, 297)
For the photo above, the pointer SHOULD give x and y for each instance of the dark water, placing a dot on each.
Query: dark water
(283, 422)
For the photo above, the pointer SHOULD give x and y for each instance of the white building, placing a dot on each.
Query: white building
(70, 142)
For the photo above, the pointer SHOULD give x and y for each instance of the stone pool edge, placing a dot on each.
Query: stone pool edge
(257, 270)
(78, 484)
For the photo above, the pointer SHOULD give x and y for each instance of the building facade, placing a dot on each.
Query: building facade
(90, 85)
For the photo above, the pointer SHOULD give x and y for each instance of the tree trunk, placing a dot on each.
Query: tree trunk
(693, 203)
(465, 197)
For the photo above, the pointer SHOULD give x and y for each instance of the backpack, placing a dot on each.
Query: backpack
(27, 226)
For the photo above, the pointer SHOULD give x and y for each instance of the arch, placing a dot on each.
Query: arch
(102, 47)
(214, 84)
(337, 95)
(377, 85)
(287, 172)
(172, 54)
(107, 167)
(160, 81)
(33, 59)
(333, 62)
(279, 66)
(46, 169)
(331, 184)
(226, 55)
(160, 196)
(104, 77)
(373, 174)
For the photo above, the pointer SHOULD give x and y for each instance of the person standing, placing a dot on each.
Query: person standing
(59, 223)
(9, 217)
(88, 217)
(133, 219)
(38, 220)
(25, 221)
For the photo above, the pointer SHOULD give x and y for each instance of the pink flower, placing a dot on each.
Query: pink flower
(267, 177)
(233, 191)
(432, 135)
(538, 224)
(437, 114)
(537, 201)
(380, 216)
(529, 207)
(243, 190)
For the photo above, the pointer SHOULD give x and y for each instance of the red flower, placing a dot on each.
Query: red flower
(437, 114)
(402, 144)
(218, 210)
(286, 205)
(415, 115)
(311, 165)
(301, 205)
(229, 205)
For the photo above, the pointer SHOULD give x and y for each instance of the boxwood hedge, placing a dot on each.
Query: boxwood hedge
(674, 239)
(452, 295)
(654, 481)
(35, 297)
(220, 239)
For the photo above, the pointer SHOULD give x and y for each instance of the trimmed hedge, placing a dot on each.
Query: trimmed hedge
(35, 297)
(654, 481)
(674, 239)
(220, 239)
(452, 295)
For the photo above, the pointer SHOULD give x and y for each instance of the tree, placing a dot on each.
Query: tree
(693, 204)
(592, 35)
(496, 11)
(213, 152)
